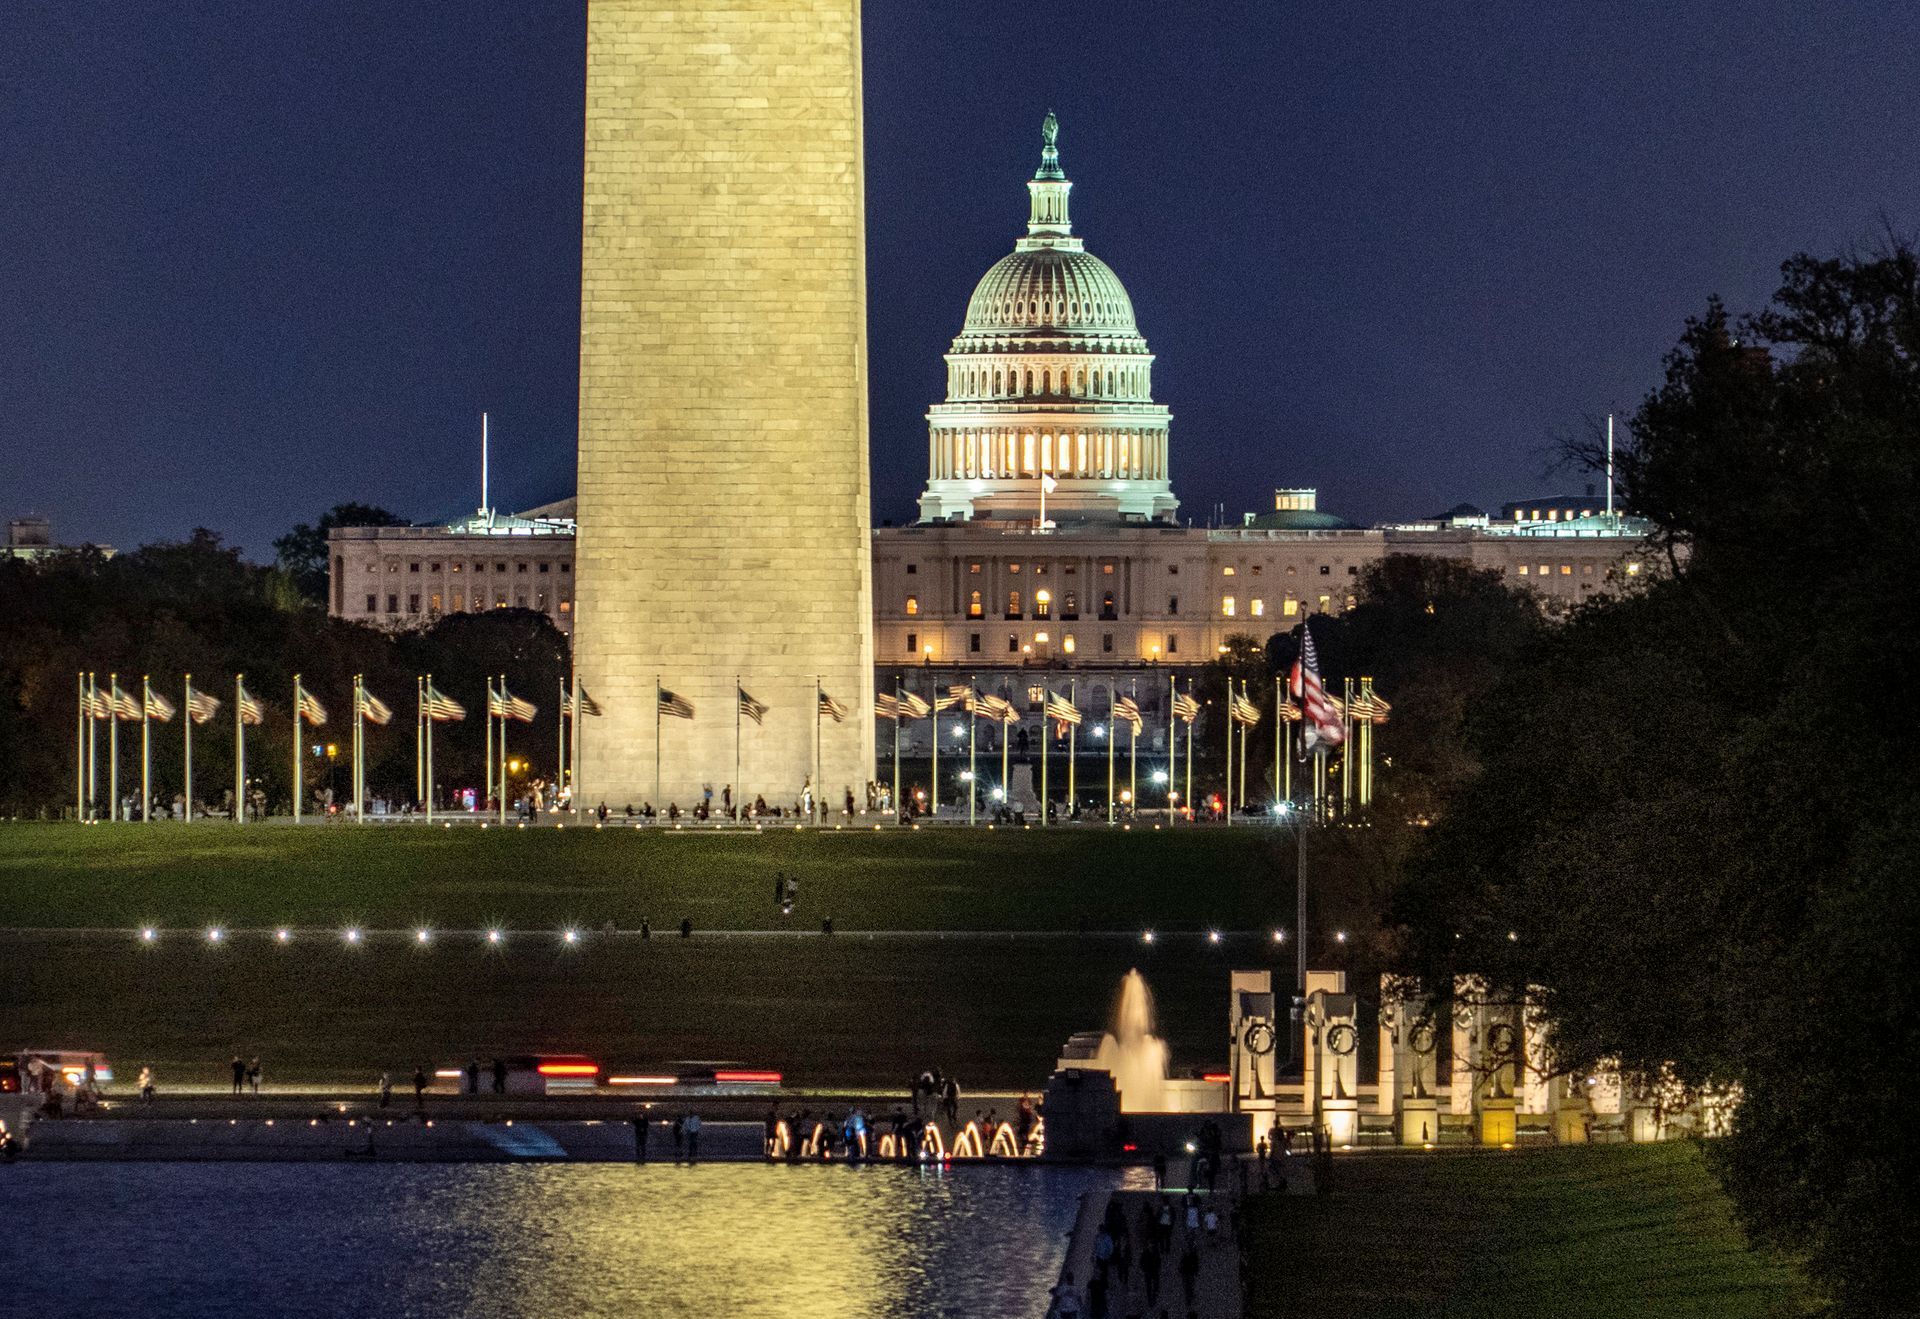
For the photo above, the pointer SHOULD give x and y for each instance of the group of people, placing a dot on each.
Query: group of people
(940, 1094)
(1184, 1229)
(246, 1074)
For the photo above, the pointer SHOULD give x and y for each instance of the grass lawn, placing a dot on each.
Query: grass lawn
(1589, 1233)
(1072, 878)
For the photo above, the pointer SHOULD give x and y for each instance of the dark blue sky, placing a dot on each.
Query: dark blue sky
(259, 257)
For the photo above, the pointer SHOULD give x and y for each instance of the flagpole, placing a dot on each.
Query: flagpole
(353, 767)
(146, 750)
(1246, 731)
(1110, 736)
(486, 804)
(1346, 741)
(1006, 769)
(560, 734)
(419, 743)
(1173, 751)
(1133, 753)
(573, 746)
(1226, 799)
(1279, 760)
(297, 781)
(657, 789)
(186, 758)
(933, 798)
(80, 748)
(1046, 750)
(93, 746)
(737, 703)
(1073, 750)
(973, 761)
(817, 692)
(896, 752)
(503, 750)
(113, 749)
(1190, 724)
(424, 684)
(239, 754)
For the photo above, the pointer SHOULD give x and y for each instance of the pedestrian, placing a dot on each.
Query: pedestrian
(253, 1076)
(386, 1089)
(1189, 1272)
(499, 1076)
(1160, 1170)
(1212, 1222)
(679, 1136)
(693, 1137)
(772, 1135)
(1165, 1226)
(950, 1100)
(1066, 1298)
(420, 1088)
(146, 1083)
(640, 1137)
(1193, 1217)
(239, 1075)
(473, 1076)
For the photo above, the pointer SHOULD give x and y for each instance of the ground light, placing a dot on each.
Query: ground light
(1147, 937)
(422, 936)
(1340, 936)
(493, 936)
(214, 935)
(571, 936)
(1213, 936)
(283, 934)
(351, 936)
(148, 935)
(1279, 936)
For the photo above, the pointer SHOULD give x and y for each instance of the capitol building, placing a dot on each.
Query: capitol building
(1047, 539)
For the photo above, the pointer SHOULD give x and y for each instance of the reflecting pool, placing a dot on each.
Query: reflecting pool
(170, 1240)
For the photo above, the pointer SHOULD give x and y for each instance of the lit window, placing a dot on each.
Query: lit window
(974, 568)
(1326, 603)
(1566, 570)
(1633, 570)
(1013, 604)
(1067, 644)
(1107, 569)
(1040, 638)
(1226, 572)
(1043, 604)
(1546, 570)
(1013, 567)
(566, 606)
(433, 603)
(974, 607)
(456, 567)
(1226, 606)
(1257, 607)
(1291, 607)
(913, 605)
(1523, 570)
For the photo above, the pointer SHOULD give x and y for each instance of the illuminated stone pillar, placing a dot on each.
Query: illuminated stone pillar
(723, 499)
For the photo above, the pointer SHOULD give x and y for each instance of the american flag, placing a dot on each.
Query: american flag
(201, 707)
(1243, 710)
(505, 705)
(310, 708)
(585, 705)
(250, 709)
(159, 707)
(125, 707)
(1186, 707)
(100, 705)
(1061, 710)
(1000, 708)
(1289, 712)
(832, 709)
(674, 705)
(962, 694)
(1322, 722)
(1129, 709)
(442, 708)
(374, 710)
(752, 709)
(913, 707)
(1369, 707)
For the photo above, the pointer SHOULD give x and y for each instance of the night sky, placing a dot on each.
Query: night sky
(260, 257)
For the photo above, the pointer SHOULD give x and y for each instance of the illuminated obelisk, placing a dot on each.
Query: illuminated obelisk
(723, 506)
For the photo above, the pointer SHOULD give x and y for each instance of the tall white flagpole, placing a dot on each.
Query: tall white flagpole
(93, 746)
(1173, 751)
(573, 747)
(113, 749)
(298, 785)
(422, 685)
(1609, 465)
(186, 755)
(359, 739)
(1133, 753)
(560, 750)
(146, 750)
(503, 749)
(80, 748)
(1110, 754)
(239, 754)
(1073, 751)
(973, 762)
(933, 800)
(1046, 746)
(487, 802)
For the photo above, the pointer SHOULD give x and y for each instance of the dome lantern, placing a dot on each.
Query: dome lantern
(1049, 187)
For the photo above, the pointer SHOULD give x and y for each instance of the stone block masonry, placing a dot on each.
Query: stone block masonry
(723, 490)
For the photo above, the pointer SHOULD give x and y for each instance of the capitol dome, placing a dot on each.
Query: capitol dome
(1049, 383)
(1053, 290)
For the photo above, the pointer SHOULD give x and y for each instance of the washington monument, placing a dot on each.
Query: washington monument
(723, 502)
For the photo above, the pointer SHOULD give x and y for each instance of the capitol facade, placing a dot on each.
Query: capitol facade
(1047, 548)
